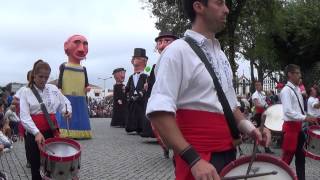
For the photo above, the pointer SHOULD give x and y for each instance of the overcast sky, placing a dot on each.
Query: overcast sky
(34, 29)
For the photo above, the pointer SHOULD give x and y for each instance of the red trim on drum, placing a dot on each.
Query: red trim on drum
(312, 134)
(261, 158)
(61, 159)
(310, 155)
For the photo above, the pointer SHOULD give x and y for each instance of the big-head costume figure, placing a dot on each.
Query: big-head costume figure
(73, 82)
(136, 92)
(120, 112)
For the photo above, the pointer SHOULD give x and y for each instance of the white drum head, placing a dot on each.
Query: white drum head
(258, 168)
(61, 149)
(274, 117)
(316, 131)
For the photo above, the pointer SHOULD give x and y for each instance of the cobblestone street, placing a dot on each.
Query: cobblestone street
(112, 154)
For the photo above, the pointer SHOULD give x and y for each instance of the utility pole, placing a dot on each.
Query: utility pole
(104, 85)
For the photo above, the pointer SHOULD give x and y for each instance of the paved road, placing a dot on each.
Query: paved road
(114, 155)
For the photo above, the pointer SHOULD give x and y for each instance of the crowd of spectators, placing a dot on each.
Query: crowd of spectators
(100, 108)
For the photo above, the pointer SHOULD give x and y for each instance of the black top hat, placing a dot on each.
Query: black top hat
(118, 70)
(166, 34)
(139, 52)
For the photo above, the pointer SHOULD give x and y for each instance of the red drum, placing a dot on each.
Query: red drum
(60, 159)
(262, 164)
(312, 145)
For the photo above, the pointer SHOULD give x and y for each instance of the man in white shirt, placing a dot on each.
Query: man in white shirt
(184, 106)
(260, 104)
(293, 116)
(313, 103)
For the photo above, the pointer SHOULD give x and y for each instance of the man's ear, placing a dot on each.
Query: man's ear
(197, 6)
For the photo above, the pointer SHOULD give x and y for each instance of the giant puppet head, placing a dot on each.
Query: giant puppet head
(119, 75)
(164, 39)
(139, 59)
(76, 48)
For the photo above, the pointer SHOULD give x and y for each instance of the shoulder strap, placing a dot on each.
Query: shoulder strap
(302, 111)
(43, 109)
(61, 69)
(221, 96)
(86, 77)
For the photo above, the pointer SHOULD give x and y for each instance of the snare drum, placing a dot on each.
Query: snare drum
(262, 164)
(60, 159)
(312, 145)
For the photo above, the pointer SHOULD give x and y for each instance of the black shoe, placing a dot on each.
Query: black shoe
(3, 176)
(268, 150)
(166, 153)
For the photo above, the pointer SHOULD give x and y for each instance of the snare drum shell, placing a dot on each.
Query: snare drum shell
(61, 168)
(259, 158)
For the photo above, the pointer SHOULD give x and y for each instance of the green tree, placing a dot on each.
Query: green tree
(298, 39)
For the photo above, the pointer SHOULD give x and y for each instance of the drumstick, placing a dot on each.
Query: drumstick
(249, 176)
(67, 121)
(255, 145)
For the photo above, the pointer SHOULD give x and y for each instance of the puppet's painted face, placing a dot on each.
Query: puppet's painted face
(139, 63)
(76, 48)
(119, 76)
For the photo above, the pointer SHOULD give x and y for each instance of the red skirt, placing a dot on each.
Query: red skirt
(207, 132)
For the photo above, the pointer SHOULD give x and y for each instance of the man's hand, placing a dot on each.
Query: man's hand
(39, 139)
(119, 102)
(263, 138)
(311, 119)
(67, 115)
(203, 170)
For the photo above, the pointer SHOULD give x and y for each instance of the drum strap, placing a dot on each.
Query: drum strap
(44, 109)
(221, 96)
(302, 111)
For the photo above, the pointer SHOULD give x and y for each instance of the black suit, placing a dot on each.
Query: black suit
(120, 111)
(136, 103)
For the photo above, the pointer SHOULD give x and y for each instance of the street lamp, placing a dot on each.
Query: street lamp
(104, 84)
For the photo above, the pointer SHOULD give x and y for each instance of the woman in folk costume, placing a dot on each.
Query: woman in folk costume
(33, 119)
(120, 112)
(136, 92)
(73, 82)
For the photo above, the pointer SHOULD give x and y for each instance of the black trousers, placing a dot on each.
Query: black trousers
(300, 159)
(221, 159)
(32, 148)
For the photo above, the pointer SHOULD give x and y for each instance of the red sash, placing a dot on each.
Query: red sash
(207, 132)
(291, 130)
(42, 123)
(259, 110)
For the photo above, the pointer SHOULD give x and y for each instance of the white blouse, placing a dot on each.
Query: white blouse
(51, 96)
(261, 97)
(312, 101)
(182, 81)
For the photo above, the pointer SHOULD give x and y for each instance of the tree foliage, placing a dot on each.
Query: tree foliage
(268, 33)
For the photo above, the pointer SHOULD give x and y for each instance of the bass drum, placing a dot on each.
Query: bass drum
(274, 118)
